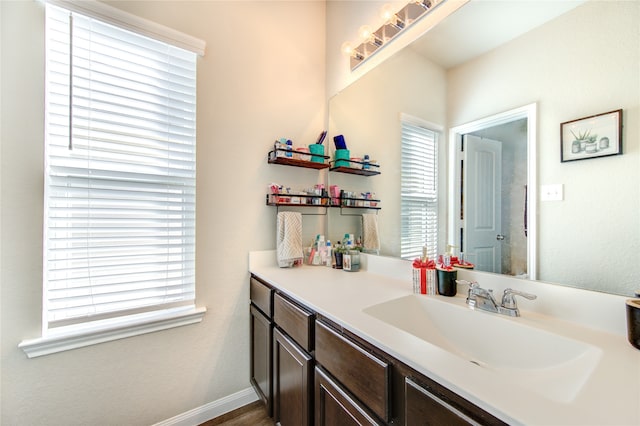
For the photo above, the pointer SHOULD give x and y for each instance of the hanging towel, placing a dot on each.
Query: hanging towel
(371, 241)
(289, 238)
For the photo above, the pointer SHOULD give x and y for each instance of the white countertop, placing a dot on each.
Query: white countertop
(611, 395)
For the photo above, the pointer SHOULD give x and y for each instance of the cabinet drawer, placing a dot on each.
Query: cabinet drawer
(422, 407)
(296, 321)
(427, 402)
(364, 375)
(334, 406)
(261, 297)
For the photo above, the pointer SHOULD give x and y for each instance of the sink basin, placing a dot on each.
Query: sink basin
(549, 364)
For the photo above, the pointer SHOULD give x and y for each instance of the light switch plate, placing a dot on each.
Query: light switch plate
(552, 192)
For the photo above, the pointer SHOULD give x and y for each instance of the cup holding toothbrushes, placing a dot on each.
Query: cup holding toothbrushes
(317, 149)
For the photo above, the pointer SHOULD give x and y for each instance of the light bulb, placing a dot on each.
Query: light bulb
(365, 32)
(346, 48)
(368, 36)
(387, 12)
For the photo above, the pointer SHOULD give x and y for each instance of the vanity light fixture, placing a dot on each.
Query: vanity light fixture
(394, 23)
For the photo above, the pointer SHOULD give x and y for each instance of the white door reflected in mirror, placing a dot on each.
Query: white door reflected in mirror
(482, 203)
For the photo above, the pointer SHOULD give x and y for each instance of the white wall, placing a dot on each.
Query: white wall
(594, 71)
(262, 78)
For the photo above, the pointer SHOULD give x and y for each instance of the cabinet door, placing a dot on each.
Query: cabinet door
(335, 407)
(292, 382)
(423, 408)
(261, 370)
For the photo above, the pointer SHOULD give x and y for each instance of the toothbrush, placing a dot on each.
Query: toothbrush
(323, 135)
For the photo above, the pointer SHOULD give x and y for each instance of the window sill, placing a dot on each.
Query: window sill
(73, 337)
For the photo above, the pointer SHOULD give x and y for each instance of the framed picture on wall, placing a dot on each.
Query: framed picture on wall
(590, 137)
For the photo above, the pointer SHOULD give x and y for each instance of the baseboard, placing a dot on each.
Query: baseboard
(212, 410)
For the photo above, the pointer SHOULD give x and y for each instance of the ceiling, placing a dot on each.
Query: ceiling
(482, 25)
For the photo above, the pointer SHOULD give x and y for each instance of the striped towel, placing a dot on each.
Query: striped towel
(371, 240)
(289, 238)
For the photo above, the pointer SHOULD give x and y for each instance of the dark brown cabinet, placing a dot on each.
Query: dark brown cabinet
(292, 369)
(334, 406)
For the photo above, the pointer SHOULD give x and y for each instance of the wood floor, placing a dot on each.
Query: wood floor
(254, 414)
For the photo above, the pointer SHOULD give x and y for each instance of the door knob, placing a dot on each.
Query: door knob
(499, 237)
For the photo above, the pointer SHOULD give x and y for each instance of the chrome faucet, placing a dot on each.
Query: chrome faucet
(480, 298)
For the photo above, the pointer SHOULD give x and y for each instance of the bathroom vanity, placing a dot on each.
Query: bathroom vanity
(331, 347)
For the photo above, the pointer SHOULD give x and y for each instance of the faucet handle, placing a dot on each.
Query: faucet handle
(509, 300)
(473, 285)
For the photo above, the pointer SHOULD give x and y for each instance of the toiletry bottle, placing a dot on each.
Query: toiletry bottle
(329, 257)
(289, 148)
(366, 162)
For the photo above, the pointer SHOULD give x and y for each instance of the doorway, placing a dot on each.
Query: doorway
(492, 171)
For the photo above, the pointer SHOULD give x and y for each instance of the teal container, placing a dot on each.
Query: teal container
(342, 157)
(317, 148)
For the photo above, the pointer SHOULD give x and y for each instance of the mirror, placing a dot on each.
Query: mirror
(572, 63)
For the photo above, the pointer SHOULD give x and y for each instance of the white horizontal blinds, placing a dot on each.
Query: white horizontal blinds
(419, 191)
(121, 19)
(120, 192)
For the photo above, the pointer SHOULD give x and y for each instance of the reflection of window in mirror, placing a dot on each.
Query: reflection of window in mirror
(419, 189)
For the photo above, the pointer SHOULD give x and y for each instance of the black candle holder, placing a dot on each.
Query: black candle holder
(447, 282)
(633, 322)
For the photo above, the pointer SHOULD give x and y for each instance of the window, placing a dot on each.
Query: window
(120, 150)
(419, 190)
